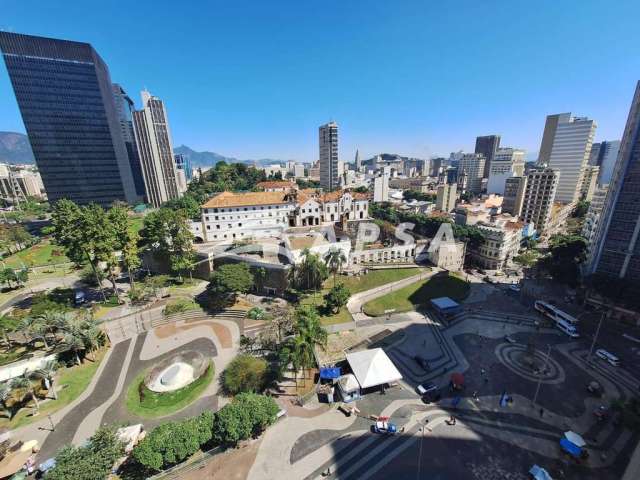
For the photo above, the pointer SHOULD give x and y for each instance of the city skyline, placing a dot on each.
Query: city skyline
(241, 95)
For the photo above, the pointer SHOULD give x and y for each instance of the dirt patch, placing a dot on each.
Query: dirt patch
(234, 464)
(294, 410)
(220, 331)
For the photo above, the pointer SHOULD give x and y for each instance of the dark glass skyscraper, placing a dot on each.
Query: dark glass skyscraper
(125, 108)
(616, 247)
(487, 146)
(65, 96)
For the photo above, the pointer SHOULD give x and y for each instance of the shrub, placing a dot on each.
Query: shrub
(245, 373)
(247, 415)
(173, 442)
(92, 461)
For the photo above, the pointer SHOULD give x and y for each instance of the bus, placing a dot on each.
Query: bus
(554, 313)
(567, 329)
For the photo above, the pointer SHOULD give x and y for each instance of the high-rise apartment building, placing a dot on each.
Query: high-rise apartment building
(329, 168)
(124, 111)
(358, 161)
(566, 147)
(183, 162)
(472, 165)
(65, 96)
(156, 151)
(616, 250)
(381, 186)
(592, 218)
(514, 189)
(539, 192)
(589, 182)
(604, 155)
(487, 146)
(507, 162)
(446, 197)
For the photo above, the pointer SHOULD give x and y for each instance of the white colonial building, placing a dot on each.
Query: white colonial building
(251, 215)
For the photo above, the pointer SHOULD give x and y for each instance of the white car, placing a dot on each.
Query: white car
(608, 357)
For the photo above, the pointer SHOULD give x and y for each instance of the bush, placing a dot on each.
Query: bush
(92, 461)
(248, 415)
(245, 373)
(180, 306)
(336, 298)
(173, 442)
(256, 313)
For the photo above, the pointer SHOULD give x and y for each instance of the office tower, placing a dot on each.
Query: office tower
(566, 147)
(446, 197)
(589, 182)
(381, 186)
(539, 192)
(156, 152)
(594, 156)
(183, 162)
(487, 146)
(592, 218)
(514, 188)
(507, 162)
(329, 169)
(65, 96)
(472, 165)
(604, 155)
(436, 167)
(616, 248)
(124, 111)
(358, 161)
(298, 170)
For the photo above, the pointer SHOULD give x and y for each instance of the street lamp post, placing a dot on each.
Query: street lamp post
(595, 337)
(546, 363)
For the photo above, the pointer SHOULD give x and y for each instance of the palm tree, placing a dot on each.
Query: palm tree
(33, 326)
(47, 372)
(309, 334)
(92, 338)
(5, 393)
(74, 342)
(335, 259)
(24, 382)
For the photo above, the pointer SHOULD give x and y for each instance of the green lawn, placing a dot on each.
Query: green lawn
(152, 404)
(419, 293)
(136, 223)
(357, 284)
(71, 382)
(43, 253)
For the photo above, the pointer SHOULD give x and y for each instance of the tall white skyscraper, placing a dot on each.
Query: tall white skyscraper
(329, 168)
(472, 166)
(566, 147)
(507, 163)
(358, 161)
(153, 139)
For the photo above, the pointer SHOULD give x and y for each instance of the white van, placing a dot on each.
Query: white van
(608, 357)
(567, 328)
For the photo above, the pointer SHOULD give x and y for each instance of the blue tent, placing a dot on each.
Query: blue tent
(570, 448)
(329, 373)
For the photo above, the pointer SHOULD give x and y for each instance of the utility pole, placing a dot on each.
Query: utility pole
(546, 362)
(595, 337)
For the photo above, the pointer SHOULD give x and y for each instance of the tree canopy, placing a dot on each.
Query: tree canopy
(228, 280)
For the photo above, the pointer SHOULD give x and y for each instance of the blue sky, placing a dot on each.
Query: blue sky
(255, 79)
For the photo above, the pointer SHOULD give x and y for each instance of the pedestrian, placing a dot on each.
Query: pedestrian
(486, 379)
(475, 395)
(541, 412)
(482, 371)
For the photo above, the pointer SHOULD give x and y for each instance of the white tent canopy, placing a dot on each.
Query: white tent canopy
(373, 367)
(575, 438)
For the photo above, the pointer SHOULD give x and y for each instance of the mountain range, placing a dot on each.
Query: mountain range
(15, 148)
(209, 159)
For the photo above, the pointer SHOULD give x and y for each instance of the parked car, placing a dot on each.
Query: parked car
(79, 297)
(422, 362)
(426, 388)
(386, 428)
(510, 339)
(608, 357)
